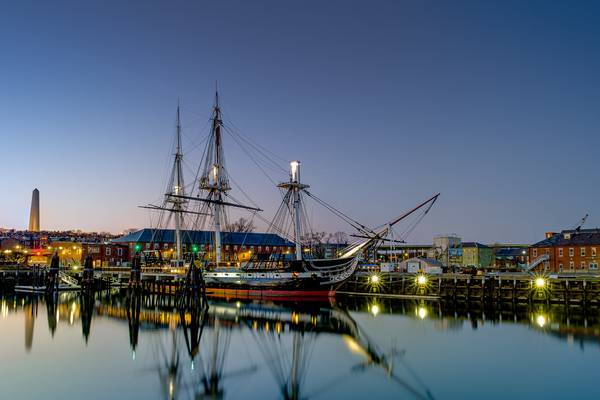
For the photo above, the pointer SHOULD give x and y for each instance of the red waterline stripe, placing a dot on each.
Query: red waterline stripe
(280, 294)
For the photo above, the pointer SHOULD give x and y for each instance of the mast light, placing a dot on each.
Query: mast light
(295, 170)
(215, 172)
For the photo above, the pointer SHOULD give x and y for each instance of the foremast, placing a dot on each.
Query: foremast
(176, 191)
(294, 188)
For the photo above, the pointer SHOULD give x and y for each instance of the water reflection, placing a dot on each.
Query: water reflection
(193, 356)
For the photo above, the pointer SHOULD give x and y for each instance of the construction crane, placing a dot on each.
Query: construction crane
(577, 228)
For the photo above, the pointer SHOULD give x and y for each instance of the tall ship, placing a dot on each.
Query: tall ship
(204, 204)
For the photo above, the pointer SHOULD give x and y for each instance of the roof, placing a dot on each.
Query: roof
(474, 244)
(427, 260)
(148, 235)
(511, 252)
(571, 237)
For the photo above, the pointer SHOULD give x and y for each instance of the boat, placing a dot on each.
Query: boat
(296, 274)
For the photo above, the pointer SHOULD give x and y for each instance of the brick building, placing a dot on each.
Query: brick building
(106, 254)
(573, 251)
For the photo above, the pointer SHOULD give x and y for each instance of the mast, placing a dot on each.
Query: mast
(178, 189)
(294, 188)
(175, 191)
(214, 177)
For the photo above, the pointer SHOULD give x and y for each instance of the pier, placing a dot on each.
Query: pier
(515, 288)
(502, 288)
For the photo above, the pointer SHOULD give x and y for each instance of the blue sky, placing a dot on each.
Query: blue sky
(385, 103)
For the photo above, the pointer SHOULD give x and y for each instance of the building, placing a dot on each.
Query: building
(510, 256)
(447, 249)
(400, 252)
(573, 251)
(34, 213)
(476, 255)
(236, 246)
(421, 264)
(106, 254)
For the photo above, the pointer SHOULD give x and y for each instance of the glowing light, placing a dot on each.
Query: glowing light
(215, 172)
(540, 282)
(375, 310)
(540, 320)
(374, 278)
(294, 169)
(421, 279)
(238, 304)
(422, 312)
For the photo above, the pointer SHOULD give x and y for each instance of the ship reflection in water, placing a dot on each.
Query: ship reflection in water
(352, 348)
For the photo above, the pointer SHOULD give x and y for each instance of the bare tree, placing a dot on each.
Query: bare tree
(316, 241)
(241, 225)
(339, 237)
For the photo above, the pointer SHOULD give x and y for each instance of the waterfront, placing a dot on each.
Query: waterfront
(73, 346)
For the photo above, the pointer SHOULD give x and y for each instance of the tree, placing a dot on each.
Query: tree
(339, 237)
(241, 225)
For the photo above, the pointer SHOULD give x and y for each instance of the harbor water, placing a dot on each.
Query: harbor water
(113, 345)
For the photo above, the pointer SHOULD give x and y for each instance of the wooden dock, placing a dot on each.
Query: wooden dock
(517, 288)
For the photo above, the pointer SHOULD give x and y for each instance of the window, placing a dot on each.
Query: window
(571, 252)
(107, 251)
(572, 264)
(583, 252)
(165, 246)
(156, 246)
(534, 252)
(119, 252)
(560, 252)
(593, 265)
(147, 246)
(560, 267)
(593, 252)
(583, 265)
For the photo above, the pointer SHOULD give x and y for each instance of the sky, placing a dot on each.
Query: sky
(493, 104)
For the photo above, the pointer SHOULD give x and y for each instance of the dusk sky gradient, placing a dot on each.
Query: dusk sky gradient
(494, 104)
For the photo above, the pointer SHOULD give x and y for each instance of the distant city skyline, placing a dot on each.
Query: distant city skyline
(495, 105)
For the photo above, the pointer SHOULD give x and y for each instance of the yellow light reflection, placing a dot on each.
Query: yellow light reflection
(375, 310)
(541, 320)
(353, 346)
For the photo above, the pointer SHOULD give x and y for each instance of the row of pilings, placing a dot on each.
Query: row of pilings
(521, 288)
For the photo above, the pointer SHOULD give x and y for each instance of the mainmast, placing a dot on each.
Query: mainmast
(214, 178)
(178, 188)
(294, 188)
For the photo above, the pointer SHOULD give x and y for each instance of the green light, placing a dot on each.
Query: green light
(195, 248)
(138, 247)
